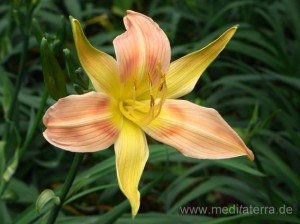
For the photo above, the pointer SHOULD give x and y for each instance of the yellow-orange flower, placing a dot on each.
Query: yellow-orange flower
(136, 94)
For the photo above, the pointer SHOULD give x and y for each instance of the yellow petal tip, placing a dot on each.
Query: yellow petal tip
(134, 203)
(134, 212)
(74, 22)
(72, 19)
(233, 29)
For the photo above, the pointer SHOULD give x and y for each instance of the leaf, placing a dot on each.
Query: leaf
(21, 191)
(89, 191)
(120, 7)
(2, 157)
(11, 168)
(4, 213)
(46, 196)
(209, 185)
(113, 215)
(7, 92)
(74, 8)
(239, 164)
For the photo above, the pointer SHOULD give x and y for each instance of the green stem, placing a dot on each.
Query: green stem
(20, 78)
(67, 185)
(36, 122)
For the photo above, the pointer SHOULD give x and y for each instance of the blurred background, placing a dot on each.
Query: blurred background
(254, 84)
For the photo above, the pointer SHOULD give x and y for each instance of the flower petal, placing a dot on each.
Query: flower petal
(143, 51)
(196, 131)
(82, 123)
(101, 68)
(185, 72)
(131, 155)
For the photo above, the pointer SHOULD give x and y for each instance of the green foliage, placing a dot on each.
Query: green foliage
(53, 74)
(46, 196)
(254, 84)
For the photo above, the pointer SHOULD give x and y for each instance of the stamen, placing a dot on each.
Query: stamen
(163, 91)
(152, 101)
(133, 96)
(140, 112)
(125, 108)
(161, 85)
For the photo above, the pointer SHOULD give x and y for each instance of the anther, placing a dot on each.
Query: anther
(152, 101)
(161, 86)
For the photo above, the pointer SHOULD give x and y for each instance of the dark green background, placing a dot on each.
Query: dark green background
(254, 84)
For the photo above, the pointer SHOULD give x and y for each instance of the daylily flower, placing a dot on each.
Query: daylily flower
(136, 94)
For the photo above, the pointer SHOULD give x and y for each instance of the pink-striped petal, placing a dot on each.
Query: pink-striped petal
(143, 51)
(82, 123)
(196, 131)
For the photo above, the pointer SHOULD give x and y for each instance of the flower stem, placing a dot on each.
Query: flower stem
(35, 124)
(67, 185)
